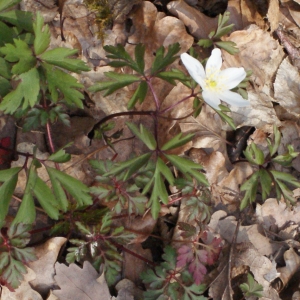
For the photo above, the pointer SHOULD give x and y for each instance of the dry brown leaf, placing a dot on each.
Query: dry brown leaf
(273, 14)
(44, 265)
(80, 284)
(24, 291)
(292, 264)
(199, 25)
(286, 87)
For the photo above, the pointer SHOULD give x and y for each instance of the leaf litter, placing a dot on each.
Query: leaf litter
(265, 242)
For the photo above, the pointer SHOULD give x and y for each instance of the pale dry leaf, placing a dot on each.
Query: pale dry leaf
(247, 234)
(273, 213)
(24, 291)
(259, 266)
(286, 87)
(293, 8)
(292, 264)
(44, 265)
(199, 25)
(273, 14)
(79, 284)
(127, 290)
(262, 58)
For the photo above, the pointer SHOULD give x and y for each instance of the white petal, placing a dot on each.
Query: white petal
(211, 99)
(214, 63)
(231, 77)
(234, 99)
(194, 68)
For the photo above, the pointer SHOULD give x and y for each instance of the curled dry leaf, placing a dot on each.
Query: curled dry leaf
(292, 264)
(44, 266)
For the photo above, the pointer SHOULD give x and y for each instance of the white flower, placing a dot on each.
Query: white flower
(216, 83)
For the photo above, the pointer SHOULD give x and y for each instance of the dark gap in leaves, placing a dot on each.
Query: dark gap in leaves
(239, 140)
(156, 247)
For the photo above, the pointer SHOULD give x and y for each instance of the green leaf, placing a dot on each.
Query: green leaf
(228, 46)
(5, 87)
(4, 4)
(139, 94)
(170, 76)
(277, 138)
(21, 19)
(251, 288)
(206, 43)
(177, 141)
(132, 165)
(27, 89)
(161, 61)
(67, 84)
(288, 178)
(254, 155)
(286, 159)
(46, 198)
(26, 212)
(60, 156)
(144, 135)
(118, 52)
(58, 57)
(6, 34)
(139, 53)
(20, 53)
(265, 182)
(5, 68)
(187, 167)
(120, 80)
(226, 118)
(10, 179)
(42, 37)
(76, 188)
(163, 169)
(250, 186)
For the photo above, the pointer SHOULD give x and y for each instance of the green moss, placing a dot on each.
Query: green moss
(103, 13)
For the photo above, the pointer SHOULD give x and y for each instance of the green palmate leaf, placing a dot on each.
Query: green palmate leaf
(206, 43)
(46, 198)
(7, 34)
(132, 165)
(250, 186)
(144, 135)
(58, 57)
(9, 178)
(265, 182)
(222, 30)
(78, 190)
(5, 87)
(170, 76)
(139, 95)
(26, 213)
(65, 83)
(27, 89)
(4, 4)
(21, 19)
(177, 141)
(42, 37)
(139, 53)
(118, 52)
(226, 118)
(187, 167)
(120, 80)
(20, 53)
(228, 46)
(60, 156)
(273, 147)
(286, 159)
(251, 288)
(161, 61)
(254, 155)
(5, 68)
(165, 171)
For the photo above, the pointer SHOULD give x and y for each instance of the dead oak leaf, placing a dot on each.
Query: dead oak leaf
(80, 284)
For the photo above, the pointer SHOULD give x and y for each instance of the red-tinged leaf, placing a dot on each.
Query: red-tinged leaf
(214, 249)
(197, 268)
(185, 256)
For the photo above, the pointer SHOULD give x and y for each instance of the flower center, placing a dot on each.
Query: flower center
(211, 83)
